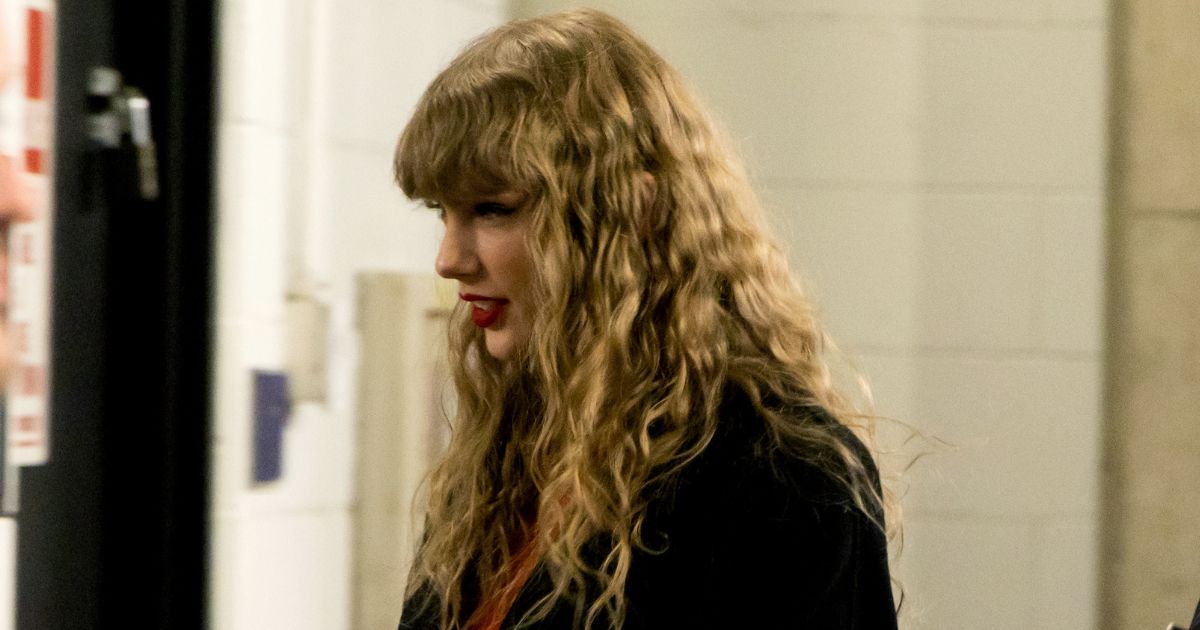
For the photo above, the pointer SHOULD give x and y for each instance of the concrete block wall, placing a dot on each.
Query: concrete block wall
(313, 95)
(937, 171)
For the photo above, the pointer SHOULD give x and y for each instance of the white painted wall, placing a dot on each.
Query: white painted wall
(313, 96)
(8, 573)
(936, 168)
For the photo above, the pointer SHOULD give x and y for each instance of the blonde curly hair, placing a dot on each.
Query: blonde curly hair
(653, 298)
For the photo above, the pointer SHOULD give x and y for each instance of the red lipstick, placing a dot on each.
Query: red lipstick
(485, 310)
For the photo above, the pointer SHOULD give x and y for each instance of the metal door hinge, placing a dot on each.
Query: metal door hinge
(120, 111)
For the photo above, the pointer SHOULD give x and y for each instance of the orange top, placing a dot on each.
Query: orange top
(495, 607)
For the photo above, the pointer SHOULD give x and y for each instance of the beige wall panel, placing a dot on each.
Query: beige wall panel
(855, 253)
(1020, 446)
(1077, 11)
(1066, 562)
(1156, 424)
(1013, 106)
(1160, 94)
(1072, 263)
(967, 573)
(979, 256)
(400, 417)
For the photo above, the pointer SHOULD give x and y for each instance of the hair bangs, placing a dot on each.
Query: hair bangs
(467, 140)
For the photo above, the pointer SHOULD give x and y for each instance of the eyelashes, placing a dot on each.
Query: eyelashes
(483, 209)
(492, 209)
(489, 206)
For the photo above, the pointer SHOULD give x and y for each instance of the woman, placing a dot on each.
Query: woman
(646, 434)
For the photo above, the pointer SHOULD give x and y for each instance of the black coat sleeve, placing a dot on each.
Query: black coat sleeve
(748, 540)
(421, 610)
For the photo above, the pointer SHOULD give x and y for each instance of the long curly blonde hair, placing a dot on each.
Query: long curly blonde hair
(653, 297)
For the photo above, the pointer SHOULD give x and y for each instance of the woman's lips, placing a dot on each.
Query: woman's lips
(485, 310)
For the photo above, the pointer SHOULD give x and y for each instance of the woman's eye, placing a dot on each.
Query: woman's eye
(493, 209)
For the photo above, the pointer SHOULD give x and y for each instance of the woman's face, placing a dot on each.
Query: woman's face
(484, 250)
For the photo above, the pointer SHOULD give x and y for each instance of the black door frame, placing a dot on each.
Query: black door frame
(113, 531)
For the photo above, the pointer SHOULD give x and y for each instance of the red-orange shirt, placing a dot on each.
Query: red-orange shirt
(495, 607)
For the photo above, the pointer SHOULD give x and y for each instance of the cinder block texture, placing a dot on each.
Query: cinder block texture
(1077, 11)
(994, 556)
(978, 274)
(1154, 572)
(255, 64)
(1013, 106)
(1159, 95)
(855, 253)
(1066, 573)
(1021, 446)
(290, 568)
(1072, 269)
(983, 11)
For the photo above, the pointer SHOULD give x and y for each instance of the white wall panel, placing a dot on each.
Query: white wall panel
(228, 255)
(252, 229)
(1084, 12)
(1072, 268)
(386, 231)
(254, 62)
(225, 583)
(978, 276)
(1024, 436)
(231, 470)
(290, 573)
(8, 573)
(855, 250)
(984, 11)
(969, 573)
(809, 99)
(892, 379)
(381, 54)
(1013, 106)
(1067, 578)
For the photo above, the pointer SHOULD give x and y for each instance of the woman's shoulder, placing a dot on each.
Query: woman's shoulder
(750, 464)
(764, 535)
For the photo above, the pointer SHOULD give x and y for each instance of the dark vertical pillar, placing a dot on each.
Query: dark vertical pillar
(113, 530)
(1151, 566)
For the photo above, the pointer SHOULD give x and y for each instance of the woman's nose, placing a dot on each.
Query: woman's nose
(456, 255)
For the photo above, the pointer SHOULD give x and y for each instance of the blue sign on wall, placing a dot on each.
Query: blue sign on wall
(271, 408)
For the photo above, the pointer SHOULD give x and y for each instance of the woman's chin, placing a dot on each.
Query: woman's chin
(499, 344)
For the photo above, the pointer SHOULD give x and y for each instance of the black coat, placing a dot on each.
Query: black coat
(753, 539)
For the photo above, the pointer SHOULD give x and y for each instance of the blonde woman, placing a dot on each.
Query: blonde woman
(646, 434)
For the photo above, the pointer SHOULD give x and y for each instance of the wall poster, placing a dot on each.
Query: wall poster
(26, 177)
